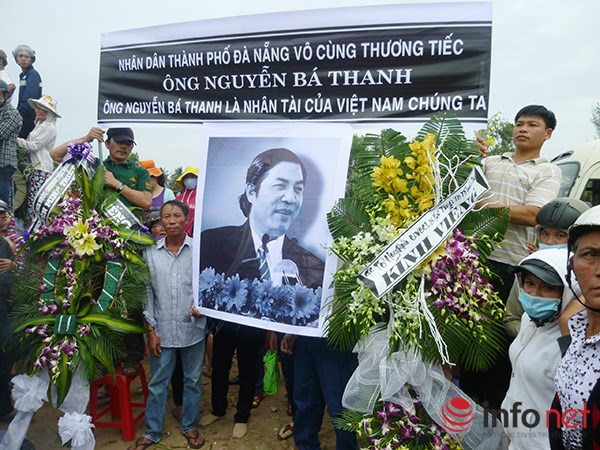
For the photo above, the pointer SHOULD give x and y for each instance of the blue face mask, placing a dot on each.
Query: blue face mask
(190, 183)
(538, 307)
(545, 246)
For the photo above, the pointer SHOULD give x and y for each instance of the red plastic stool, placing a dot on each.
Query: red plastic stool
(120, 407)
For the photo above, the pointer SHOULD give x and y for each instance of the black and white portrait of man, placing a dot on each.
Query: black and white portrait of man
(263, 264)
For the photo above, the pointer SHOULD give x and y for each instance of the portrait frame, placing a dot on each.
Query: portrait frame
(225, 155)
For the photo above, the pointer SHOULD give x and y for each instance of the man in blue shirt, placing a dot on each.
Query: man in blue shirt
(173, 323)
(30, 86)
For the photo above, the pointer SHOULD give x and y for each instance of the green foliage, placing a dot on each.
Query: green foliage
(171, 180)
(487, 226)
(472, 343)
(97, 338)
(501, 130)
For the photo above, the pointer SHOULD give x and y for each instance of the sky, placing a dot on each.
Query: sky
(543, 52)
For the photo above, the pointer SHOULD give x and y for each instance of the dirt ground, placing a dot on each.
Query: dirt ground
(262, 428)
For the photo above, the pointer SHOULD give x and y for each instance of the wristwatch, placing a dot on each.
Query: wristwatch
(120, 187)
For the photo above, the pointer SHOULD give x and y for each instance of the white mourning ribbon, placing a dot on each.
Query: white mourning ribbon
(75, 426)
(29, 394)
(380, 376)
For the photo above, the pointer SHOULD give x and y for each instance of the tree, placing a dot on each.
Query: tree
(171, 179)
(595, 118)
(501, 132)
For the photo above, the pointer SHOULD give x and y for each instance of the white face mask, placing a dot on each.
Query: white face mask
(190, 183)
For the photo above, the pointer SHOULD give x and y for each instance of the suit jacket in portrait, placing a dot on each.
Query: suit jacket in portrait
(226, 250)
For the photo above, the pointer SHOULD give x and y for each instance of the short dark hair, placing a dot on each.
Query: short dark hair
(181, 205)
(538, 111)
(259, 168)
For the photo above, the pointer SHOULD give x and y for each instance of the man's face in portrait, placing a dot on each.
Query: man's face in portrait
(277, 201)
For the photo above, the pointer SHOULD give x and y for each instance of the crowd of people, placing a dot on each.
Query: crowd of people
(547, 267)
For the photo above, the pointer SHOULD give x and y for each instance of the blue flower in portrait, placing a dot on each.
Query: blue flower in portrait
(261, 302)
(305, 304)
(281, 297)
(206, 279)
(235, 293)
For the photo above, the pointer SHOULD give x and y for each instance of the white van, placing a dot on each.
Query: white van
(581, 172)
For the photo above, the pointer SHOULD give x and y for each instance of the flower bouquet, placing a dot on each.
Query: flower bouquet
(81, 278)
(438, 305)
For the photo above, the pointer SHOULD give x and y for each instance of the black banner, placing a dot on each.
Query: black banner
(403, 72)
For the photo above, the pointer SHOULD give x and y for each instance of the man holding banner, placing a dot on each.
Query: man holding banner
(130, 180)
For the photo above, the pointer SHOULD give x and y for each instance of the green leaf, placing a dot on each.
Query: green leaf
(113, 323)
(45, 244)
(87, 357)
(486, 225)
(63, 381)
(348, 218)
(34, 322)
(135, 236)
(133, 257)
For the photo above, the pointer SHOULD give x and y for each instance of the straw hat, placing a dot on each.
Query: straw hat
(46, 102)
(150, 166)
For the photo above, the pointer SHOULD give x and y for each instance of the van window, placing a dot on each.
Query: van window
(591, 192)
(569, 175)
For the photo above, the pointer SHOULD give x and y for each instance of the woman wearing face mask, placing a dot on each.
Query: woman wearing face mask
(534, 354)
(188, 181)
(553, 222)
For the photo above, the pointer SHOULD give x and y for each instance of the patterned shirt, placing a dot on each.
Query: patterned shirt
(577, 375)
(534, 182)
(10, 125)
(170, 296)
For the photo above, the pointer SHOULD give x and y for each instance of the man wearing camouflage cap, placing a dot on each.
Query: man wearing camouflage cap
(10, 124)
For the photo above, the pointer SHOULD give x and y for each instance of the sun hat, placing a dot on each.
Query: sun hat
(150, 166)
(189, 170)
(540, 269)
(45, 102)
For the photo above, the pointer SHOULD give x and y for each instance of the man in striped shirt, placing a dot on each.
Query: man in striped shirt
(523, 182)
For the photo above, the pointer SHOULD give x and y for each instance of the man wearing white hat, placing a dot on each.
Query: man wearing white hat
(39, 143)
(10, 124)
(30, 86)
